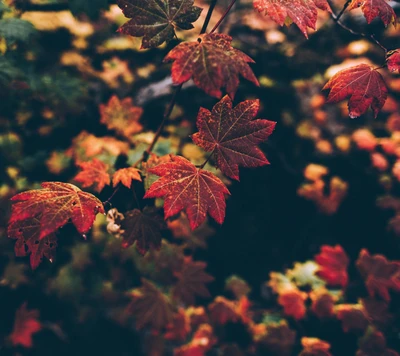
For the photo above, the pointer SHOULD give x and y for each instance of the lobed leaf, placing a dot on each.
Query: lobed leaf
(212, 63)
(232, 135)
(363, 85)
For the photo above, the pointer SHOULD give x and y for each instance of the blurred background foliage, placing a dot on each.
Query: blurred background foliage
(333, 180)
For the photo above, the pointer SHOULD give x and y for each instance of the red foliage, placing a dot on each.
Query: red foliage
(156, 20)
(380, 274)
(27, 234)
(212, 63)
(26, 324)
(302, 12)
(364, 86)
(232, 135)
(375, 8)
(333, 263)
(53, 206)
(393, 61)
(93, 174)
(292, 302)
(185, 187)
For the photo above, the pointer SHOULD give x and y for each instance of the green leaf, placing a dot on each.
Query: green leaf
(16, 30)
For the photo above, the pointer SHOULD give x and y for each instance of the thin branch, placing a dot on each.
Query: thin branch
(372, 38)
(346, 5)
(223, 16)
(208, 16)
(108, 201)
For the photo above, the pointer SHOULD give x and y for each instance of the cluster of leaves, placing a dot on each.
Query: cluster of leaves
(164, 169)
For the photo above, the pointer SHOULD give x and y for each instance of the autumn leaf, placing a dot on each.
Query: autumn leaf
(27, 234)
(333, 263)
(157, 20)
(223, 310)
(212, 63)
(191, 281)
(202, 342)
(375, 8)
(180, 327)
(292, 302)
(150, 306)
(352, 316)
(25, 325)
(379, 274)
(121, 116)
(185, 187)
(322, 303)
(143, 228)
(314, 347)
(93, 174)
(54, 206)
(364, 86)
(125, 176)
(302, 12)
(232, 135)
(393, 60)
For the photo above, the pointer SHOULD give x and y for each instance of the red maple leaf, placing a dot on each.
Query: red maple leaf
(186, 187)
(93, 173)
(191, 281)
(302, 12)
(364, 86)
(333, 263)
(393, 60)
(212, 63)
(156, 20)
(27, 234)
(25, 325)
(375, 8)
(232, 135)
(53, 206)
(125, 176)
(121, 116)
(150, 306)
(380, 274)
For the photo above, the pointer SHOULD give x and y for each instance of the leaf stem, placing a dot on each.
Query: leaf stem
(206, 161)
(223, 16)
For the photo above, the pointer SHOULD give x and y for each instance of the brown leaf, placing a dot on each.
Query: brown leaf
(144, 228)
(191, 281)
(150, 306)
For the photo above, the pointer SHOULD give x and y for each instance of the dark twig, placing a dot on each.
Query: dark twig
(223, 16)
(336, 18)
